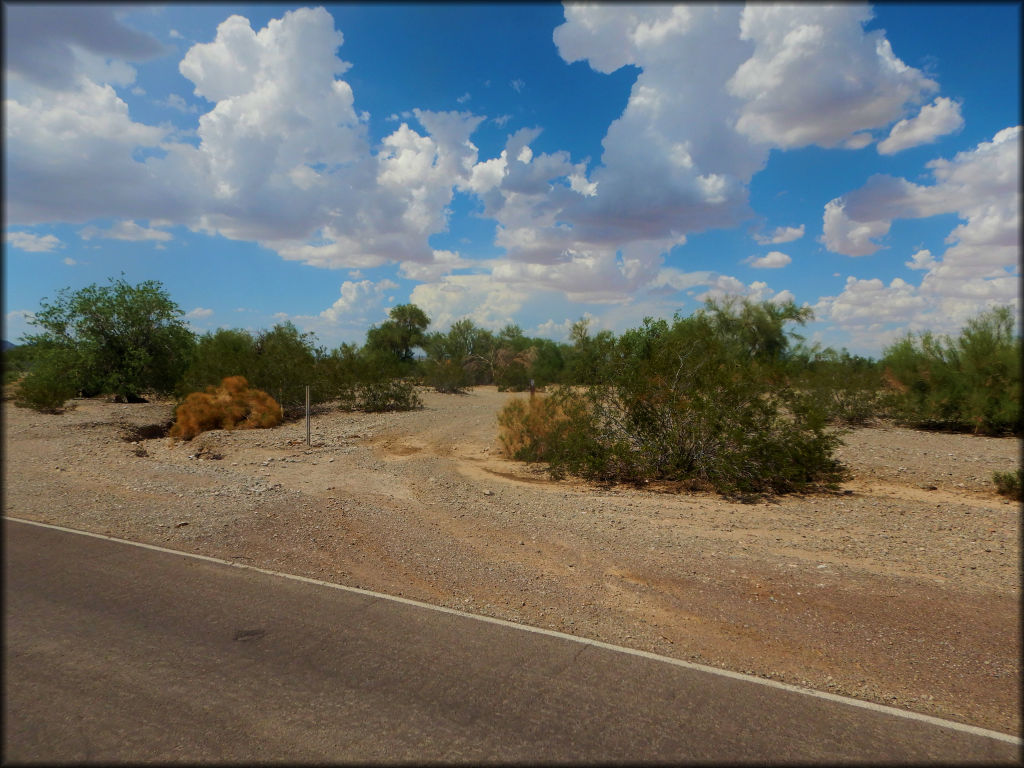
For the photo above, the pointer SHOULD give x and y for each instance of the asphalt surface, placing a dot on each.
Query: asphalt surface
(115, 652)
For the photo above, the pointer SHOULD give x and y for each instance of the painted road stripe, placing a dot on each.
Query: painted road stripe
(541, 631)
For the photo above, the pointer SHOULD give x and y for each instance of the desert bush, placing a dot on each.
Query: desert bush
(446, 368)
(232, 405)
(365, 380)
(512, 369)
(446, 376)
(340, 369)
(970, 383)
(1009, 484)
(693, 402)
(18, 361)
(393, 395)
(846, 390)
(548, 362)
(539, 428)
(467, 355)
(48, 386)
(476, 348)
(379, 396)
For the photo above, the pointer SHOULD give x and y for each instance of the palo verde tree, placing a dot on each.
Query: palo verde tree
(587, 359)
(391, 344)
(287, 360)
(117, 339)
(218, 355)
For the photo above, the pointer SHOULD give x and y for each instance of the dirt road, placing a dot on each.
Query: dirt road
(903, 589)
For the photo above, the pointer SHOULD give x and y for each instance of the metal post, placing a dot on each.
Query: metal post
(307, 415)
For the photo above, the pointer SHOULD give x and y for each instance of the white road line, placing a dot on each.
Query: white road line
(586, 641)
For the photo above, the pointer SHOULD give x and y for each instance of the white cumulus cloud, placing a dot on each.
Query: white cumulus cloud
(980, 185)
(282, 157)
(771, 260)
(126, 230)
(781, 235)
(488, 302)
(358, 300)
(978, 269)
(921, 260)
(444, 263)
(815, 76)
(27, 241)
(70, 156)
(852, 238)
(936, 119)
(680, 158)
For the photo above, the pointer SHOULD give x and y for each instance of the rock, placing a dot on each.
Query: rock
(488, 493)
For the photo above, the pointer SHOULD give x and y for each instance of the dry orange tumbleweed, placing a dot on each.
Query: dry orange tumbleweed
(232, 405)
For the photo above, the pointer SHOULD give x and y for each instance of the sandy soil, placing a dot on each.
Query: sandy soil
(903, 588)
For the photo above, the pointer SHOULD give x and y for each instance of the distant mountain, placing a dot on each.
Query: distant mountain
(7, 345)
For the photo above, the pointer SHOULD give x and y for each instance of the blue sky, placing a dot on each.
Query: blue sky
(517, 163)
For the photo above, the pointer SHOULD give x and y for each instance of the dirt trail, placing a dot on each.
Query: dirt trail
(903, 590)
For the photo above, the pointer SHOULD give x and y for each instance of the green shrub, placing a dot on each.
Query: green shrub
(587, 360)
(696, 402)
(971, 383)
(47, 386)
(844, 389)
(512, 369)
(18, 361)
(447, 367)
(446, 376)
(1009, 483)
(378, 396)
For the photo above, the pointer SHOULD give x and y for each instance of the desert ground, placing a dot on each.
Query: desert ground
(902, 588)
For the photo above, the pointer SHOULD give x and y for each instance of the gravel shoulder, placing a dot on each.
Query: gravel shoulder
(903, 588)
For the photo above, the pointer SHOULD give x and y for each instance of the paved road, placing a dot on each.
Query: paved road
(116, 652)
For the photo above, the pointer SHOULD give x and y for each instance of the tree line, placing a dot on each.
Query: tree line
(129, 341)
